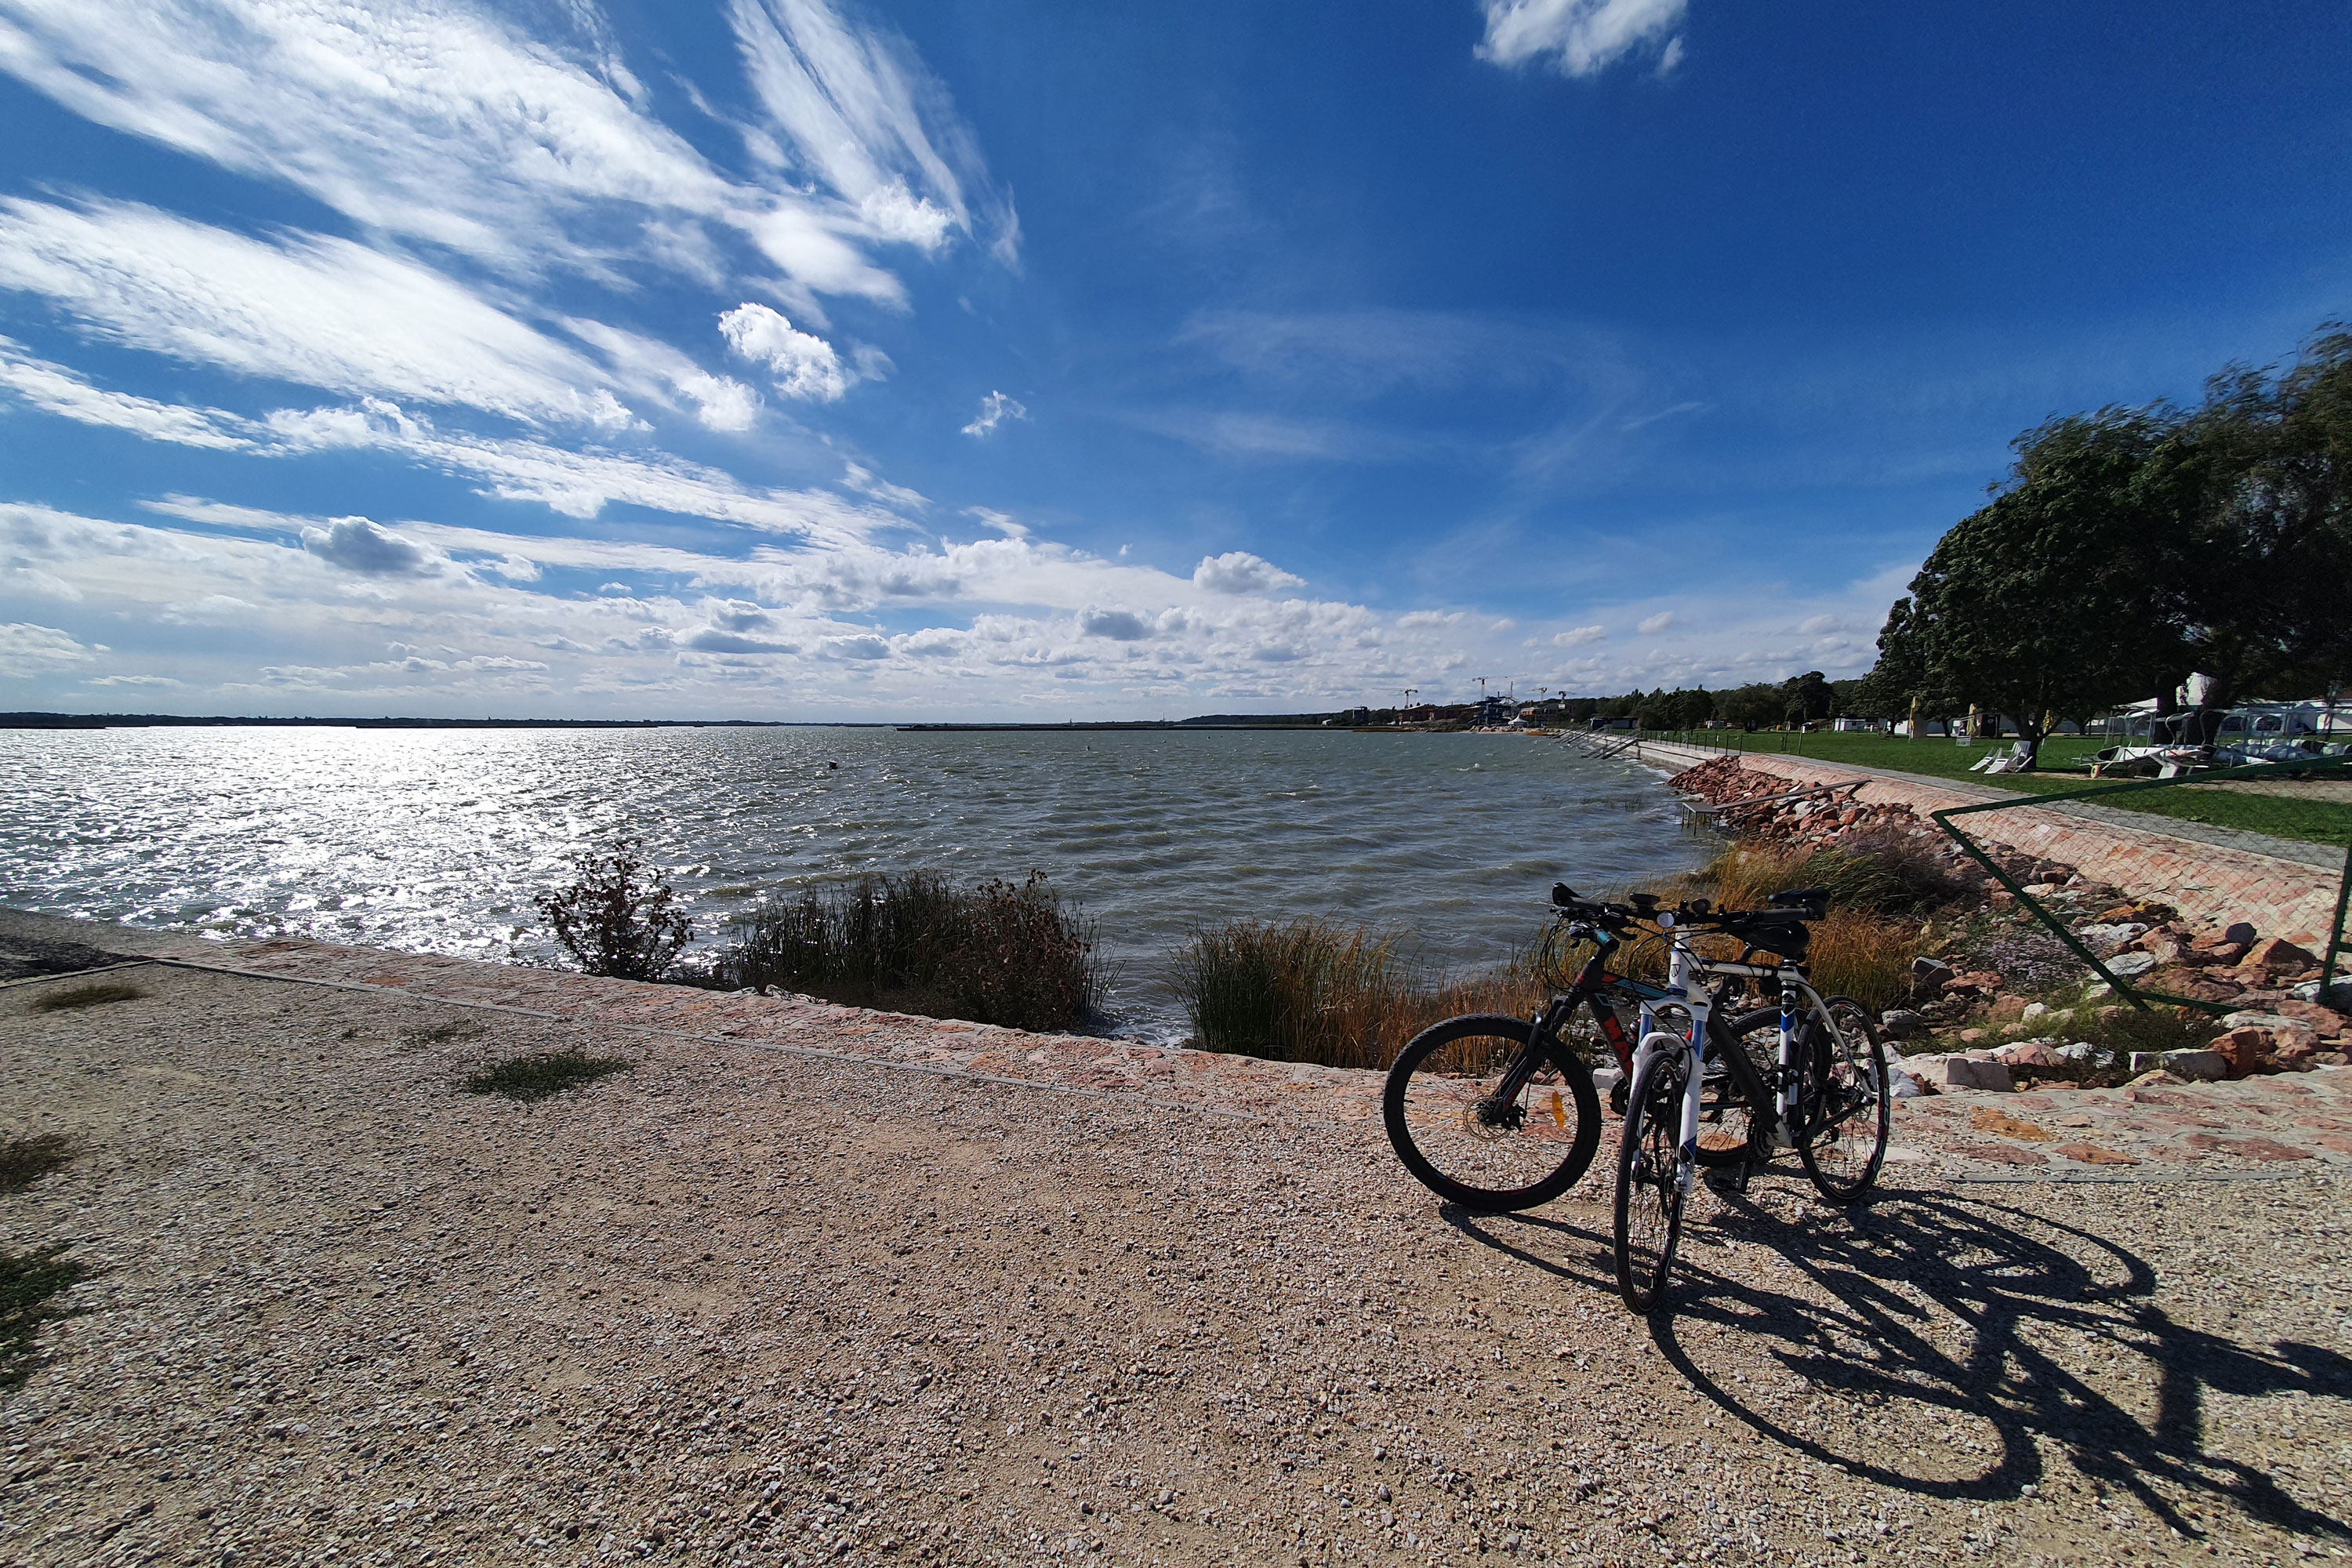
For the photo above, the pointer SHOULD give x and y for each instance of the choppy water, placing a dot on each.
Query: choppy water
(438, 840)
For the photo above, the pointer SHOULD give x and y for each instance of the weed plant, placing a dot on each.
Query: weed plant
(29, 1284)
(1000, 952)
(617, 917)
(93, 996)
(25, 1161)
(540, 1074)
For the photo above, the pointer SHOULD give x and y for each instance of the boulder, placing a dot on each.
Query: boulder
(2106, 938)
(2209, 1067)
(2252, 1020)
(2006, 1009)
(2125, 965)
(2248, 1051)
(2240, 932)
(1901, 1085)
(1927, 975)
(2326, 1020)
(1959, 1071)
(2028, 1054)
(2277, 953)
(1901, 1023)
(1975, 982)
(2223, 955)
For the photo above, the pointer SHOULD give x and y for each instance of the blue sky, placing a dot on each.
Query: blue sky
(794, 359)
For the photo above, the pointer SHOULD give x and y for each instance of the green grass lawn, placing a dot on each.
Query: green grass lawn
(2313, 821)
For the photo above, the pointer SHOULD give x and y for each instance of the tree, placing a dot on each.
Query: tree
(1805, 698)
(2054, 598)
(2265, 599)
(1751, 706)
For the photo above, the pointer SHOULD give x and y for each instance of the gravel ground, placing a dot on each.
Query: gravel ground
(736, 1304)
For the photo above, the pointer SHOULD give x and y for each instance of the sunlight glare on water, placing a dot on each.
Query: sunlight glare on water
(438, 840)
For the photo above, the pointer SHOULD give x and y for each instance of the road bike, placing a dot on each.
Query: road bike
(1497, 1113)
(1806, 1075)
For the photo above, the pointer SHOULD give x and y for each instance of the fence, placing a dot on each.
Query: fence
(2276, 839)
(2296, 813)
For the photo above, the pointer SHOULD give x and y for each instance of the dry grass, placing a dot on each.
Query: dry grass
(1002, 952)
(1318, 991)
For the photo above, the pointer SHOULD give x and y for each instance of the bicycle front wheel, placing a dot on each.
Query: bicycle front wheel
(1649, 1185)
(1844, 1105)
(1466, 1138)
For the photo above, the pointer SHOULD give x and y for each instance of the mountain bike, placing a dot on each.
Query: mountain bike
(1712, 1097)
(1497, 1113)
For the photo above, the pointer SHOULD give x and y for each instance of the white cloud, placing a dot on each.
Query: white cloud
(805, 365)
(28, 649)
(1656, 622)
(311, 309)
(1583, 37)
(1578, 637)
(859, 113)
(442, 122)
(1239, 572)
(357, 544)
(652, 368)
(994, 410)
(55, 389)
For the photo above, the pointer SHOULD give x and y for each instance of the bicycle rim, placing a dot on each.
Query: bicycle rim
(1465, 1141)
(1649, 1205)
(1844, 1103)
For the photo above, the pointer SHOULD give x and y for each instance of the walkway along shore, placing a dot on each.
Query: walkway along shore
(2212, 875)
(809, 1284)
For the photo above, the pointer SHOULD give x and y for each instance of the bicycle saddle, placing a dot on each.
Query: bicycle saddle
(1781, 931)
(1812, 902)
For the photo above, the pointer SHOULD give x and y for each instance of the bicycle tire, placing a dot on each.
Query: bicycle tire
(1435, 1126)
(1648, 1197)
(1844, 1142)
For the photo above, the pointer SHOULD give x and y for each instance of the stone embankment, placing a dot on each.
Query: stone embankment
(2275, 1020)
(2211, 876)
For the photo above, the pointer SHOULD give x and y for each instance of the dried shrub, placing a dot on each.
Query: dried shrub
(1000, 952)
(617, 917)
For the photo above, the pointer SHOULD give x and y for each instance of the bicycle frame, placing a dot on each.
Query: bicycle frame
(1592, 983)
(1792, 985)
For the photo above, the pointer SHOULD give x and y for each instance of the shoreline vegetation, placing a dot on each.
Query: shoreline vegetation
(1310, 990)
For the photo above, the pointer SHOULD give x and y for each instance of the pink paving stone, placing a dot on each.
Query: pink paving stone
(2246, 1148)
(1994, 1153)
(2340, 1142)
(2092, 1155)
(2174, 1154)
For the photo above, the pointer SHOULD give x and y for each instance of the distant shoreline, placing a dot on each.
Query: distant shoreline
(176, 721)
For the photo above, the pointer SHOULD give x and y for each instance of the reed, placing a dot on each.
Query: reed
(1000, 952)
(1329, 993)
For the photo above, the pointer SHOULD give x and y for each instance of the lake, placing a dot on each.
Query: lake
(437, 840)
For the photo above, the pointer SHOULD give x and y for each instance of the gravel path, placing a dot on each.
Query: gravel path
(738, 1304)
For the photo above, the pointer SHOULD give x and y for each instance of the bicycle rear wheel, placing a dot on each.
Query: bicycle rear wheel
(1844, 1106)
(1726, 1119)
(1648, 1220)
(1469, 1144)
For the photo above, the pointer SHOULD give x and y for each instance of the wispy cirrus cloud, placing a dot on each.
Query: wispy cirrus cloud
(310, 309)
(446, 123)
(1581, 38)
(994, 410)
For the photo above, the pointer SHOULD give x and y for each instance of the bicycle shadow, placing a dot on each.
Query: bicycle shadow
(1946, 1305)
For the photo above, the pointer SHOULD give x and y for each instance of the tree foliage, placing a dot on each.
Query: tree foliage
(2133, 546)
